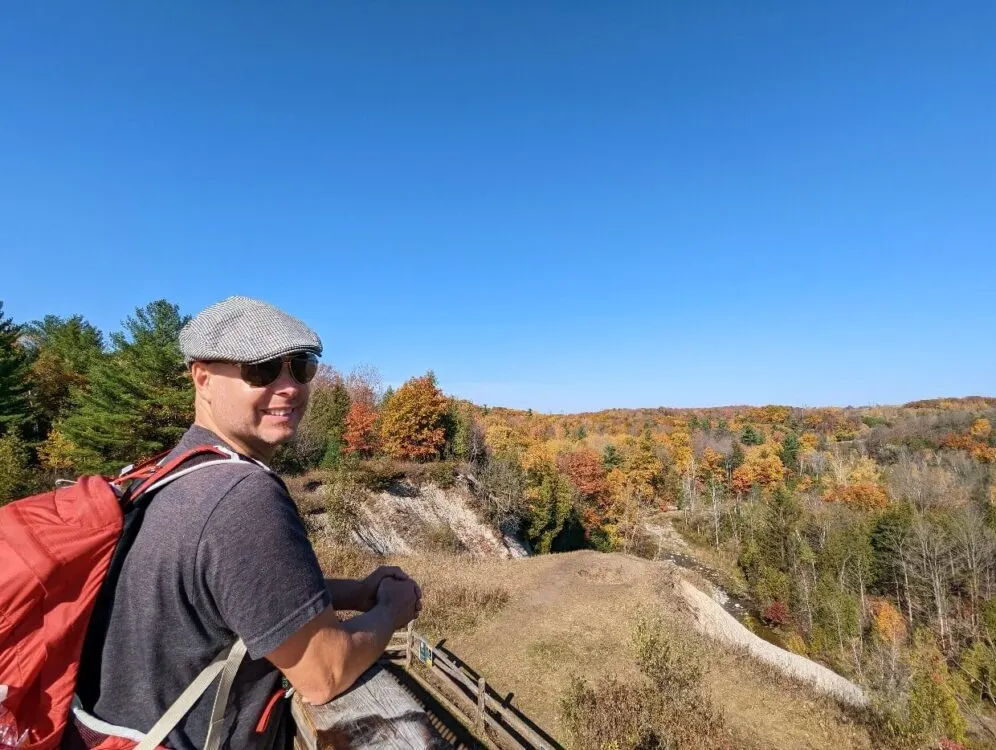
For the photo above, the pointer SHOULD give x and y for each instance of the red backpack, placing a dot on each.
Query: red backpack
(56, 551)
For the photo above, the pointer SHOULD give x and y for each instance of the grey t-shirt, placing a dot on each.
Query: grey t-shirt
(222, 553)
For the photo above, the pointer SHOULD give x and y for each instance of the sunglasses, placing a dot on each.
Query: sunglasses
(303, 367)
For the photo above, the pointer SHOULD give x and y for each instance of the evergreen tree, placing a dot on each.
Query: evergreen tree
(737, 457)
(611, 457)
(13, 375)
(139, 399)
(789, 453)
(335, 405)
(451, 432)
(550, 508)
(782, 519)
(750, 436)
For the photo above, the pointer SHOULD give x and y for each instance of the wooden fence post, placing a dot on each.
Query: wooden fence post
(482, 691)
(410, 642)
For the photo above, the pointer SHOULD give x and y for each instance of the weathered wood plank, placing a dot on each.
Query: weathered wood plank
(375, 714)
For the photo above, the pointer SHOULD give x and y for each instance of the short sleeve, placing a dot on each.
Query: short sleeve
(258, 566)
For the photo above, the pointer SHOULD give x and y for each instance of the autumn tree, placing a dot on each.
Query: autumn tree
(62, 352)
(361, 429)
(643, 467)
(712, 474)
(761, 467)
(139, 399)
(412, 420)
(584, 470)
(364, 384)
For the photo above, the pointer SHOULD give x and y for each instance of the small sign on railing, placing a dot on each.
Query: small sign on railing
(423, 651)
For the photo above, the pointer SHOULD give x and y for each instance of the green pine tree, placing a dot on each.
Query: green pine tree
(750, 436)
(457, 423)
(611, 457)
(334, 409)
(139, 399)
(553, 505)
(14, 410)
(790, 452)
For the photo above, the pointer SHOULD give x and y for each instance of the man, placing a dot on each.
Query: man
(222, 553)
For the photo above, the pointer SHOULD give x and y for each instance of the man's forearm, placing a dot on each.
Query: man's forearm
(347, 594)
(368, 635)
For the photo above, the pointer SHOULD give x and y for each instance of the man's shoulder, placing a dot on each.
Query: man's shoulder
(220, 476)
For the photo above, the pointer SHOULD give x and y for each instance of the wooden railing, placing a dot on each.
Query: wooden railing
(468, 697)
(439, 690)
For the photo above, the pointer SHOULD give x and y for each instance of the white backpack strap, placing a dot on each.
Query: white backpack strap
(233, 458)
(227, 663)
(217, 721)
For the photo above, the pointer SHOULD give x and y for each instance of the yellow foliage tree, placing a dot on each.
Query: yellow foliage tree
(889, 624)
(762, 467)
(56, 452)
(643, 467)
(504, 441)
(412, 420)
(981, 429)
(681, 452)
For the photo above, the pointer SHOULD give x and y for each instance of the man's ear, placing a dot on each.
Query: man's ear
(200, 374)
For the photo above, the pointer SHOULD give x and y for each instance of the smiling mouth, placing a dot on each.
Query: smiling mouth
(278, 412)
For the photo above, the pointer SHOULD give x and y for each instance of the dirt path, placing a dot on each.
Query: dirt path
(573, 614)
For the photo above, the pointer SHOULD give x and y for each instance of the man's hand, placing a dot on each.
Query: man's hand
(401, 598)
(370, 585)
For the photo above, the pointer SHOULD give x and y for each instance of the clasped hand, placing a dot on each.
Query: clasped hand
(391, 586)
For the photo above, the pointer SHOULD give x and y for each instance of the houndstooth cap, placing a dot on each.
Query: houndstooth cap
(245, 330)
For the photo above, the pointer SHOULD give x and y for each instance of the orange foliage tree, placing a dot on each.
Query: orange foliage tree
(361, 429)
(860, 494)
(412, 420)
(584, 469)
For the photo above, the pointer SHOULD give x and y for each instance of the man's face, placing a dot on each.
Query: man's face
(256, 420)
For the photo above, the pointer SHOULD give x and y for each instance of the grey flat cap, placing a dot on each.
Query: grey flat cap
(242, 329)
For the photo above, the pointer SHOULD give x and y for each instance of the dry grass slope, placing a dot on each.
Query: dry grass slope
(532, 626)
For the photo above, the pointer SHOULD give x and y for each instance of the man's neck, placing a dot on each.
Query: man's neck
(237, 445)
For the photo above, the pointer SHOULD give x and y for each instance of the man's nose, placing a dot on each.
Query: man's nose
(286, 383)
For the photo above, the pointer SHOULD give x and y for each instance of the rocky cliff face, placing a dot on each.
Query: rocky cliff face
(409, 518)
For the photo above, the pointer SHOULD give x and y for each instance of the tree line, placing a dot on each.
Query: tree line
(865, 537)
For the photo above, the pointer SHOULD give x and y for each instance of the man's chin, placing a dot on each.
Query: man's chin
(278, 436)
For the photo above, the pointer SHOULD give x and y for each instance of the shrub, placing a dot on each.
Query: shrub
(344, 498)
(440, 537)
(442, 474)
(378, 474)
(777, 614)
(668, 708)
(452, 608)
(930, 711)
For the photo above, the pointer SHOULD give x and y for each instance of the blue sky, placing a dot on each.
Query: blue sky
(563, 205)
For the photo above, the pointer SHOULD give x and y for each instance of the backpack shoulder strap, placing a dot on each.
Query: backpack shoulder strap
(227, 664)
(149, 478)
